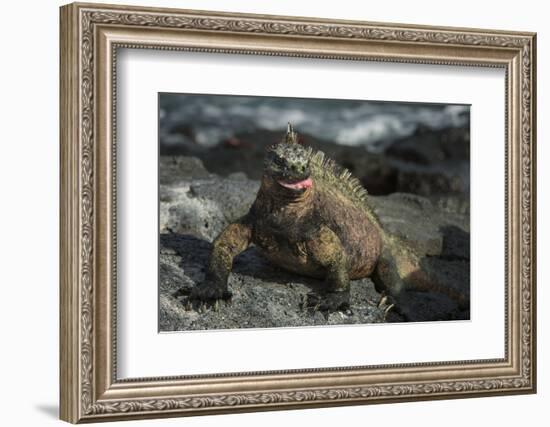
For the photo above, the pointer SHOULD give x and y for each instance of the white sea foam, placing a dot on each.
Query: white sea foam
(212, 118)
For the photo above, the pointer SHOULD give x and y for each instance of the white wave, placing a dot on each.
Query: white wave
(381, 127)
(213, 118)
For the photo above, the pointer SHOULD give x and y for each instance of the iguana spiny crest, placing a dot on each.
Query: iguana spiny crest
(291, 163)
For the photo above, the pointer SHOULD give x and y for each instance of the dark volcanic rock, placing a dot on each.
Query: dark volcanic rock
(430, 147)
(202, 205)
(195, 208)
(431, 163)
(175, 168)
(263, 295)
(444, 240)
(418, 221)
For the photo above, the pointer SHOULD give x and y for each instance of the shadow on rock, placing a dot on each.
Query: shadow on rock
(263, 295)
(194, 254)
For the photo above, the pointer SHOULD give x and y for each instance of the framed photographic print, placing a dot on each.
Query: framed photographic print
(267, 212)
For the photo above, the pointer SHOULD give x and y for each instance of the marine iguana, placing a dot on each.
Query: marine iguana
(311, 217)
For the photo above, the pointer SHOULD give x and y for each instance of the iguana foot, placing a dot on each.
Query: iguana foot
(208, 295)
(328, 302)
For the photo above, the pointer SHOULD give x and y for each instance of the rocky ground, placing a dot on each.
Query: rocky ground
(195, 205)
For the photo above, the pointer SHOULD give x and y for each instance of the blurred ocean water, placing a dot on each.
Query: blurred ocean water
(211, 119)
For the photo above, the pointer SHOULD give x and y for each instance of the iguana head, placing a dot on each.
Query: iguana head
(287, 164)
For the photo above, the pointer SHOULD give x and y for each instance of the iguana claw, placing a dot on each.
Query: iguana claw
(328, 302)
(205, 297)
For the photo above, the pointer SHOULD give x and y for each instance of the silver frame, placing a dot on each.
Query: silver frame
(90, 37)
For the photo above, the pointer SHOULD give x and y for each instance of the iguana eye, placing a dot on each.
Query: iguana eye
(279, 162)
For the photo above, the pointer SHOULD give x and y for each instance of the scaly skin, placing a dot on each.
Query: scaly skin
(312, 218)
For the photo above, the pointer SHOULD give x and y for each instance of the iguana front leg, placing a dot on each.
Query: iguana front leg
(327, 250)
(233, 240)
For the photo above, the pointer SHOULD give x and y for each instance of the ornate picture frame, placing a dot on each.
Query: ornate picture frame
(90, 37)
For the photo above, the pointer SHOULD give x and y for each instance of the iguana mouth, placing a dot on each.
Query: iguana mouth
(297, 185)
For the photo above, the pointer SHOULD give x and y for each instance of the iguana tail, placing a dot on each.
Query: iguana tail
(399, 267)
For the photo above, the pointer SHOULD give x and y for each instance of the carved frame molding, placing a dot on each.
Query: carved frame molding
(90, 36)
